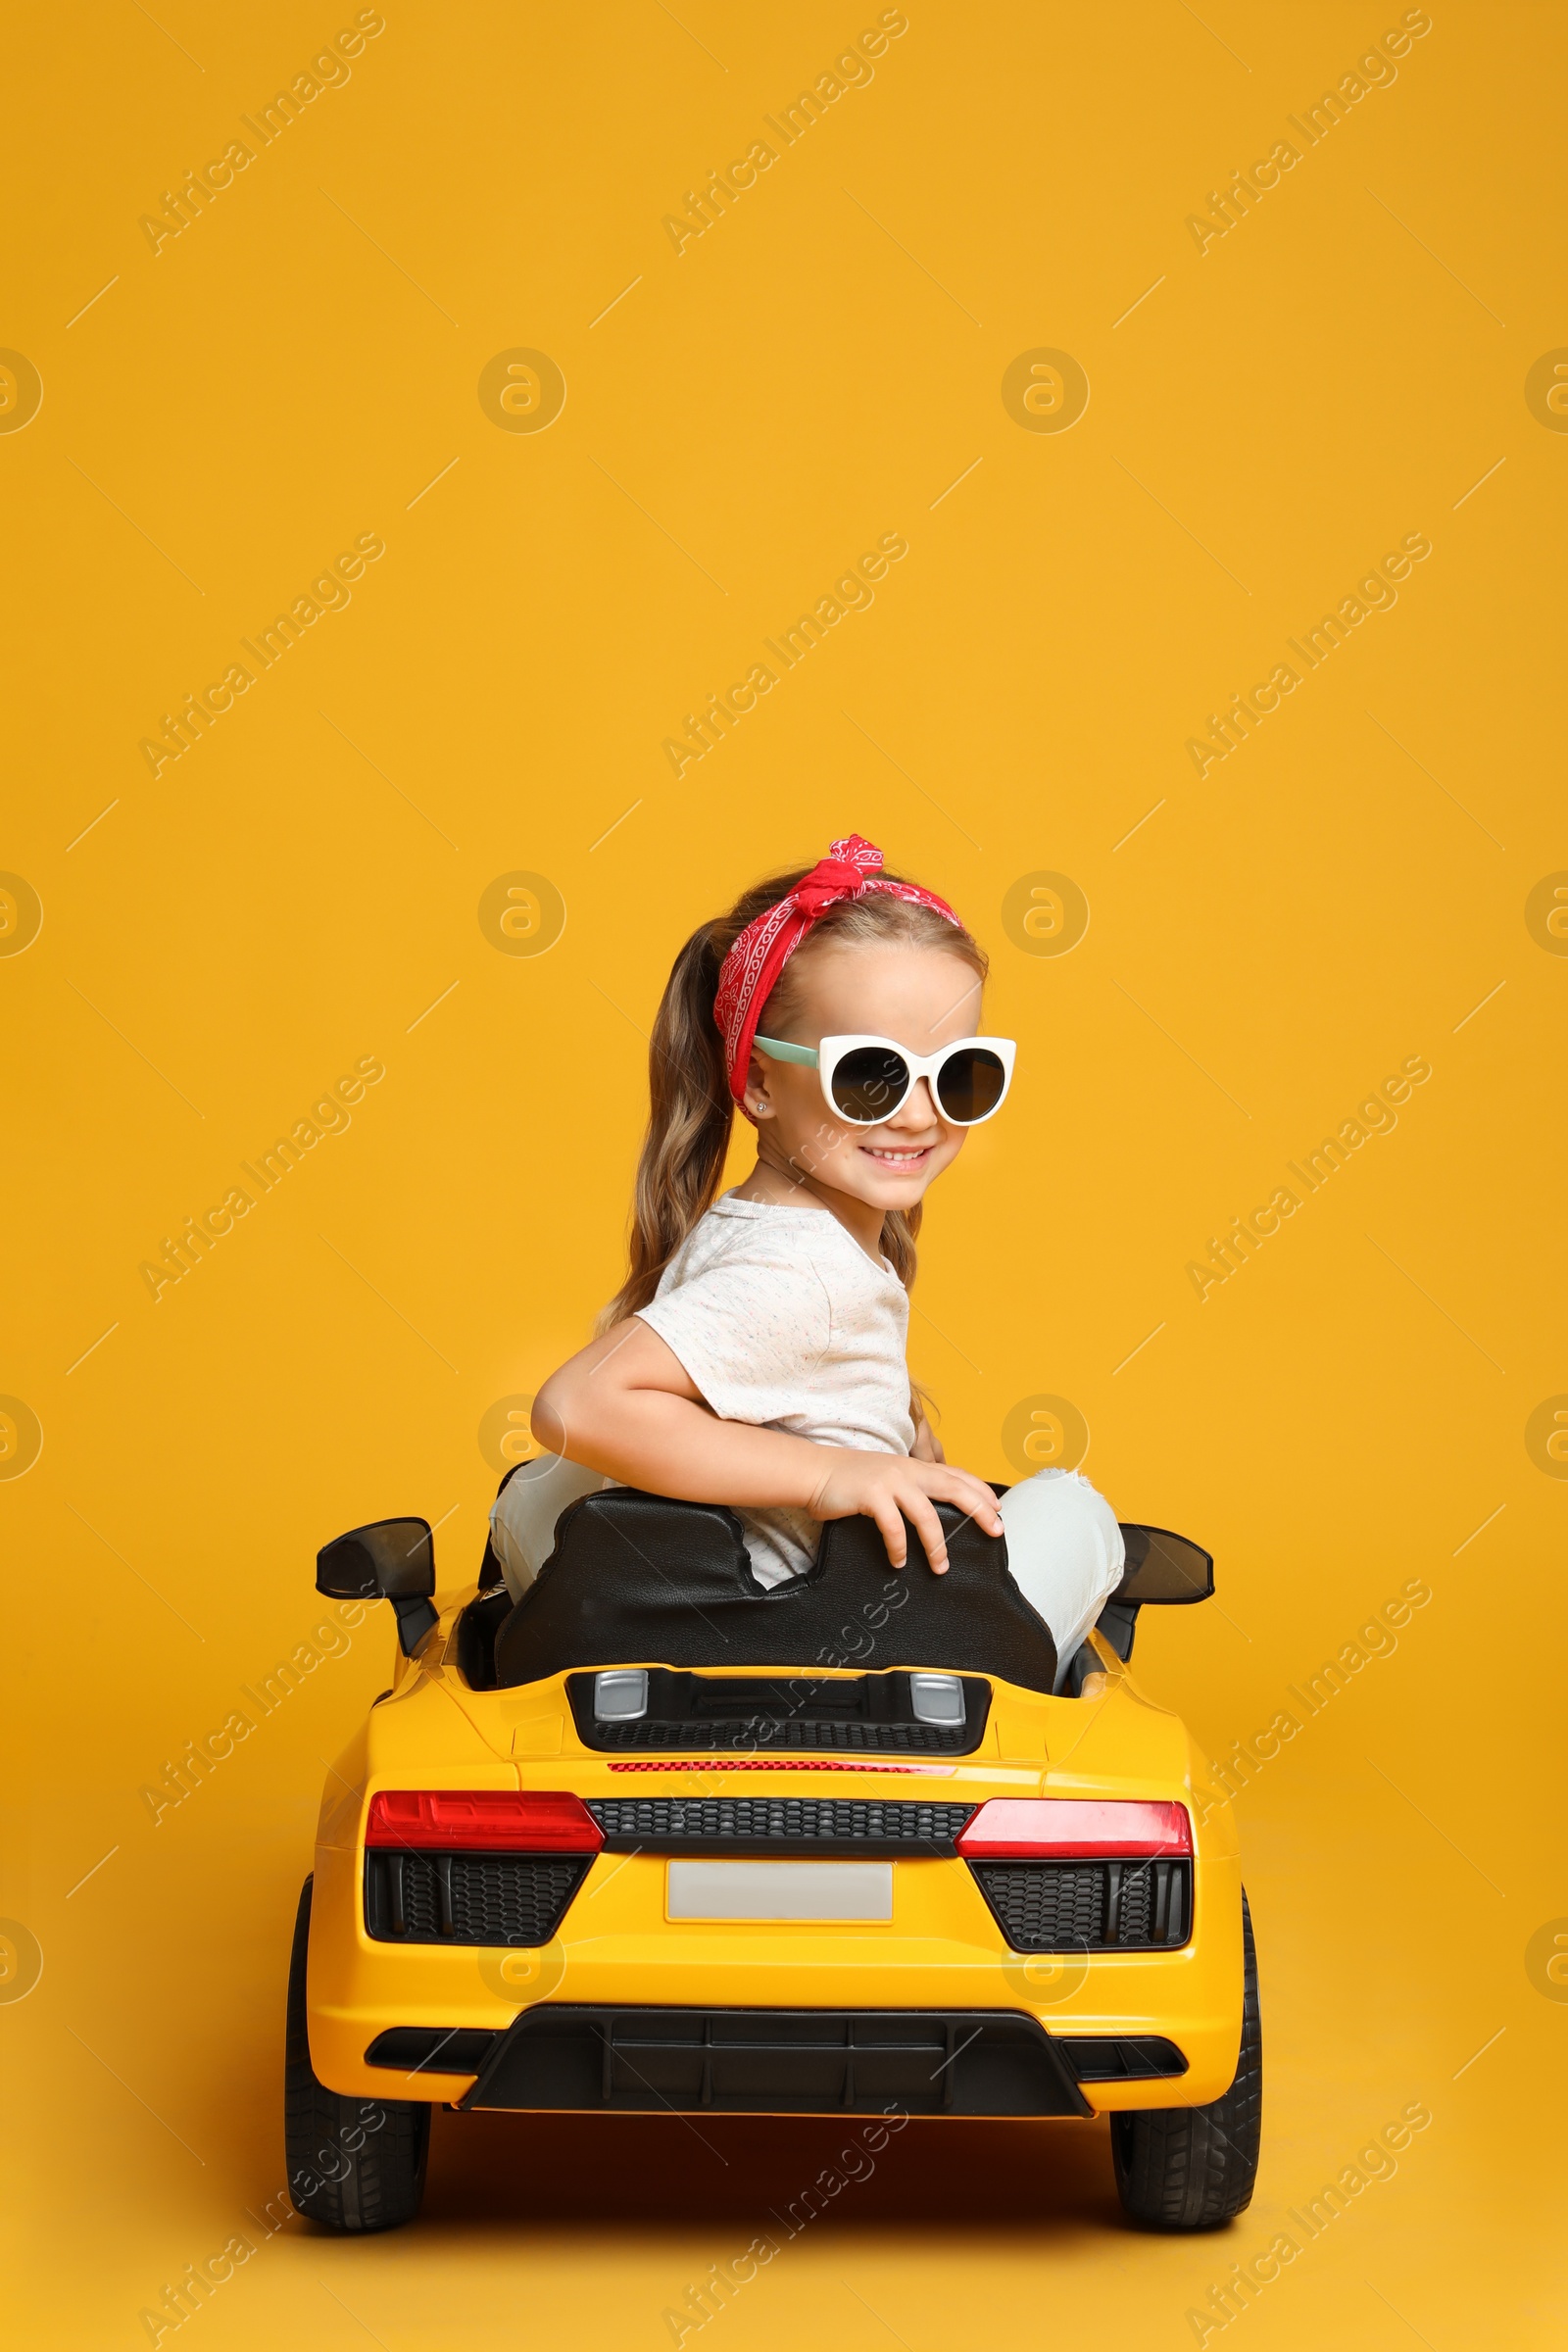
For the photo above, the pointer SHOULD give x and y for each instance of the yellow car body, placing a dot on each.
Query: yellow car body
(391, 2018)
(616, 1944)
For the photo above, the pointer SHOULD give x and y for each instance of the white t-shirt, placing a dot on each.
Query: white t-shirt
(782, 1320)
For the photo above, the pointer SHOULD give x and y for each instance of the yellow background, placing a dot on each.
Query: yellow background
(293, 894)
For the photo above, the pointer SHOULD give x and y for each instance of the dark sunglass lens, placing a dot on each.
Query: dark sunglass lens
(970, 1084)
(869, 1084)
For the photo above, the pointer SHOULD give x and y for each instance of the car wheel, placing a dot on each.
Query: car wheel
(1192, 2168)
(354, 2164)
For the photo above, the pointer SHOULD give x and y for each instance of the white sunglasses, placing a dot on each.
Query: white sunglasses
(866, 1079)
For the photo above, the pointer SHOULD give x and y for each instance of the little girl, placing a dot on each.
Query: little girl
(755, 1356)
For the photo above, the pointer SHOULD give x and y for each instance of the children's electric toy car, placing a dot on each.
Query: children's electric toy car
(655, 1839)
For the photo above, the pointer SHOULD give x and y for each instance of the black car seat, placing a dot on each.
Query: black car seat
(637, 1579)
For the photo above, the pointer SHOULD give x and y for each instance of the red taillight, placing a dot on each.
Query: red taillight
(453, 1819)
(1010, 1828)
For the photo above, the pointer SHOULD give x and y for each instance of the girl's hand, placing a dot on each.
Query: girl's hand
(890, 1487)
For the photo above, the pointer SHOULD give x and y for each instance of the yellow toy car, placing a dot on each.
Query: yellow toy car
(654, 1838)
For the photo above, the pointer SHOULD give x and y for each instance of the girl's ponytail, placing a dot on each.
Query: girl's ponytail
(900, 1229)
(690, 1115)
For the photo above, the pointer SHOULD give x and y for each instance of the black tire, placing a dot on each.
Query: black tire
(1192, 2168)
(353, 2164)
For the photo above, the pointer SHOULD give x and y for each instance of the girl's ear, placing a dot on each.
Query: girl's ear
(759, 1102)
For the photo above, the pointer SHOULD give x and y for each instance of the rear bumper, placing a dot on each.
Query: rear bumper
(619, 1957)
(968, 2062)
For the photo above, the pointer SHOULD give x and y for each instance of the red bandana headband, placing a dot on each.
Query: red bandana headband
(852, 869)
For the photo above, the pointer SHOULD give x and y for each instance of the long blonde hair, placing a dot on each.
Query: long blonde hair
(691, 1110)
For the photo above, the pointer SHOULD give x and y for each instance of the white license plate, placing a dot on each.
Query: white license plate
(827, 1890)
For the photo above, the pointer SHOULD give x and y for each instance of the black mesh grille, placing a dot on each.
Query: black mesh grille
(776, 1824)
(1089, 1906)
(1138, 1895)
(468, 1898)
(747, 1734)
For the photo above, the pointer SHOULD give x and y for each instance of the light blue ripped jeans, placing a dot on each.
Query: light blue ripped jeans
(1064, 1546)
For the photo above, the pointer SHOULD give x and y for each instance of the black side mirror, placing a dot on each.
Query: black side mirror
(1162, 1567)
(391, 1559)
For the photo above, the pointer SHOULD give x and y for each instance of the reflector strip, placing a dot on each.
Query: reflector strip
(1017, 1828)
(485, 1820)
(724, 1763)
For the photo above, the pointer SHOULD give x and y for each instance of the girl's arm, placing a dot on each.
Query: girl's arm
(628, 1408)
